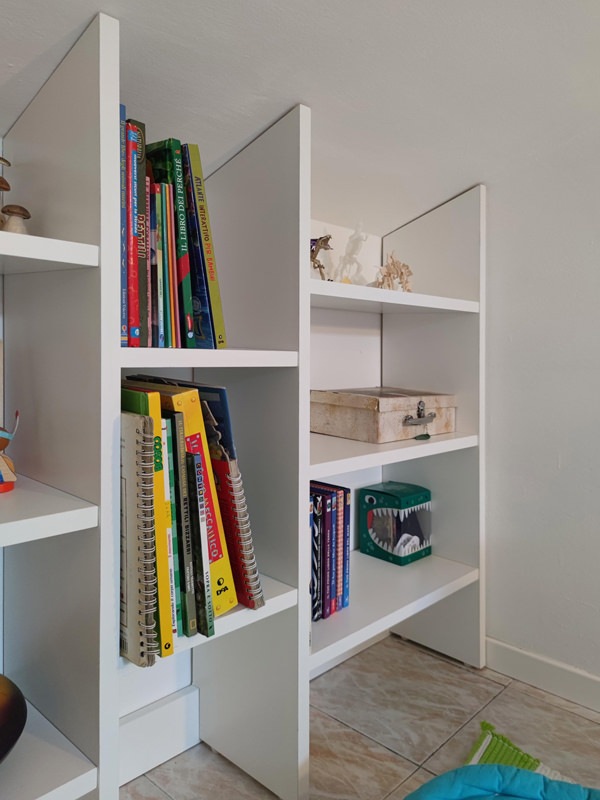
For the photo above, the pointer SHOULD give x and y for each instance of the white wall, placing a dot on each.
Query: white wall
(543, 383)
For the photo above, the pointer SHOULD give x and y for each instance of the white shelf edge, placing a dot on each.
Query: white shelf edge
(331, 455)
(348, 297)
(278, 597)
(162, 358)
(21, 253)
(33, 511)
(44, 765)
(383, 596)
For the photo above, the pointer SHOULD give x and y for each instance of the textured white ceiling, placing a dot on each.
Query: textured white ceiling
(412, 101)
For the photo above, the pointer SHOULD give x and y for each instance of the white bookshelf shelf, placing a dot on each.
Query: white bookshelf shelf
(164, 358)
(347, 297)
(331, 455)
(44, 765)
(381, 596)
(36, 511)
(22, 253)
(278, 597)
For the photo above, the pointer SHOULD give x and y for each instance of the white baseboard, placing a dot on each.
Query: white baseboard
(544, 673)
(158, 732)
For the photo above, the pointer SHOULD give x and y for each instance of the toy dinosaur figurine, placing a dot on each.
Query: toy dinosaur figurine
(7, 468)
(316, 245)
(392, 273)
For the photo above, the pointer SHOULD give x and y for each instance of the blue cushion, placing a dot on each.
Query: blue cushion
(483, 781)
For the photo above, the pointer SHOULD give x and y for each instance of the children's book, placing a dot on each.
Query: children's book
(167, 167)
(200, 209)
(142, 240)
(131, 184)
(167, 456)
(123, 196)
(138, 573)
(203, 586)
(203, 324)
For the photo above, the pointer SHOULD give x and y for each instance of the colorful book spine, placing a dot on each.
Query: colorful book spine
(342, 543)
(164, 247)
(169, 516)
(200, 545)
(201, 210)
(141, 223)
(159, 314)
(170, 462)
(175, 329)
(203, 326)
(186, 563)
(316, 582)
(133, 297)
(167, 167)
(123, 196)
(148, 264)
(323, 509)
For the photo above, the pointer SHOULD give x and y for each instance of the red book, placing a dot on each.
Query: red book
(133, 297)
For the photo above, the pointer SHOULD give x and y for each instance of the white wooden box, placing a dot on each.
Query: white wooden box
(381, 414)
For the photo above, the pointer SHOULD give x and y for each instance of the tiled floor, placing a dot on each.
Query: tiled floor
(389, 719)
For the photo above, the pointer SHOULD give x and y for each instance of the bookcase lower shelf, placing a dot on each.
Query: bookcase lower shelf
(44, 764)
(381, 596)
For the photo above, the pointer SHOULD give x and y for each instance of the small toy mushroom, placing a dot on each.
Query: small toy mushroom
(15, 217)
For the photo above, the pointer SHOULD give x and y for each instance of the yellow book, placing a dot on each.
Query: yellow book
(176, 398)
(148, 403)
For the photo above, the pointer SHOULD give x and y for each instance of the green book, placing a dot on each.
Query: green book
(167, 167)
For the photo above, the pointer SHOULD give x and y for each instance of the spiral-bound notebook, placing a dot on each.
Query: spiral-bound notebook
(138, 640)
(232, 498)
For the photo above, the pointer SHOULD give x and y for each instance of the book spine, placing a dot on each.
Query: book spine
(164, 238)
(142, 236)
(326, 550)
(133, 298)
(333, 555)
(203, 326)
(207, 245)
(123, 197)
(186, 562)
(316, 519)
(168, 427)
(169, 520)
(200, 546)
(346, 549)
(148, 263)
(175, 327)
(160, 300)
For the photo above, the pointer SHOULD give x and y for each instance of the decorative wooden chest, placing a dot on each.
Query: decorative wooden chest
(381, 414)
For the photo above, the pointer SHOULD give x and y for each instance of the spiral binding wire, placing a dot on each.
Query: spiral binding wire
(251, 577)
(147, 588)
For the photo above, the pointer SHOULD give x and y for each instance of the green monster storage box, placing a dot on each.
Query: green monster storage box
(394, 521)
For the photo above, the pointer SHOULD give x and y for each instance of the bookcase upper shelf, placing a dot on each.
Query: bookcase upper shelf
(21, 253)
(348, 297)
(166, 357)
(331, 455)
(36, 511)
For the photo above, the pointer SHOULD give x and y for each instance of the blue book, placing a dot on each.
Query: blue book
(204, 333)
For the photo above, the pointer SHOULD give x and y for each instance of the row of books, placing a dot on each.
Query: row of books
(187, 553)
(170, 294)
(329, 518)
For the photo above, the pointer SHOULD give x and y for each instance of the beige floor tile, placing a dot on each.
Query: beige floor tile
(202, 774)
(417, 779)
(559, 702)
(402, 697)
(562, 740)
(485, 672)
(344, 765)
(141, 789)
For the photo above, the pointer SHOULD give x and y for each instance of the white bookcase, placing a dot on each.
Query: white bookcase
(95, 720)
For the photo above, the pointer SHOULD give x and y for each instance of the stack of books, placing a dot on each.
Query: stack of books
(187, 554)
(170, 294)
(329, 520)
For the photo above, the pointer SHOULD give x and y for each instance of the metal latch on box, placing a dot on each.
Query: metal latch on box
(421, 418)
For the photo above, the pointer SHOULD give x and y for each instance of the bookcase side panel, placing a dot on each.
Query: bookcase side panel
(249, 703)
(255, 201)
(442, 248)
(54, 146)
